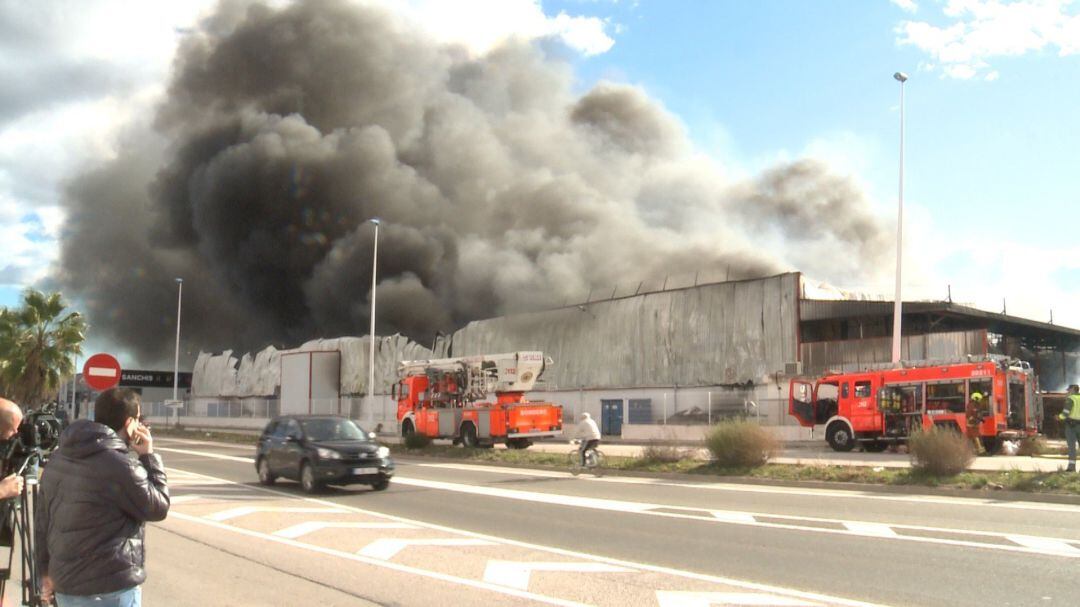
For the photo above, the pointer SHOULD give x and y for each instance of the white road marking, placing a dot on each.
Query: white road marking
(190, 497)
(231, 458)
(733, 517)
(800, 491)
(666, 598)
(189, 482)
(1044, 544)
(377, 562)
(797, 523)
(701, 577)
(232, 513)
(516, 573)
(871, 529)
(188, 441)
(386, 548)
(312, 526)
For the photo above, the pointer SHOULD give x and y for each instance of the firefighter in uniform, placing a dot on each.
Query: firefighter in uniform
(975, 414)
(1070, 417)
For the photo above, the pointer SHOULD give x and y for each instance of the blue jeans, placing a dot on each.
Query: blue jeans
(131, 597)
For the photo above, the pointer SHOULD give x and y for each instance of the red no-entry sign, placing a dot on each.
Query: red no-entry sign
(101, 371)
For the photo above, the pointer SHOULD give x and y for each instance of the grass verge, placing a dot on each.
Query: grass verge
(1010, 480)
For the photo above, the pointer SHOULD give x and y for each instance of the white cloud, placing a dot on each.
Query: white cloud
(481, 25)
(26, 247)
(980, 30)
(908, 6)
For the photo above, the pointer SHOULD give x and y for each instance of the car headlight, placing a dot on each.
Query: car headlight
(328, 453)
(383, 452)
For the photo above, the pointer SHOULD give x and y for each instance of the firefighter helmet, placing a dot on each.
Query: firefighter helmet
(977, 397)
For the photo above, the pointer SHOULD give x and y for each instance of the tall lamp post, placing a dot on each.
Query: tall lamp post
(371, 332)
(176, 358)
(897, 302)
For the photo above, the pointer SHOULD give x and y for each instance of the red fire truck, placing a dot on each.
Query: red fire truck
(881, 406)
(450, 398)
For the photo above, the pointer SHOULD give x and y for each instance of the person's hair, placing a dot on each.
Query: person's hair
(114, 407)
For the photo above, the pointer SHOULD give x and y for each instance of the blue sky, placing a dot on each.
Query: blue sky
(991, 190)
(991, 156)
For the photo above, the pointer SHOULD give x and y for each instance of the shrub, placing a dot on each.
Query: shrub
(940, 452)
(417, 441)
(661, 453)
(1032, 446)
(741, 444)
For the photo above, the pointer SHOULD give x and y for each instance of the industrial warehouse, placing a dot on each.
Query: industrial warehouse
(648, 361)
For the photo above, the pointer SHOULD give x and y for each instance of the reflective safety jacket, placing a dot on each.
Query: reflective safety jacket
(1071, 412)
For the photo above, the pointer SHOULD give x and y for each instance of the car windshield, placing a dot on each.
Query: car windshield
(332, 429)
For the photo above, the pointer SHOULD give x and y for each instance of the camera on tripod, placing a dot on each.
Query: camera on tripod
(38, 436)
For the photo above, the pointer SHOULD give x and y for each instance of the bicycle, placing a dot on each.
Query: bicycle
(594, 460)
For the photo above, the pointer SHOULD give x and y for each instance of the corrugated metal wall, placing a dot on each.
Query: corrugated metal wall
(723, 333)
(856, 354)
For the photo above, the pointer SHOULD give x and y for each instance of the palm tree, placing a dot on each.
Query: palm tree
(37, 344)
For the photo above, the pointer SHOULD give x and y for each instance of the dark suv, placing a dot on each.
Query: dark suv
(321, 449)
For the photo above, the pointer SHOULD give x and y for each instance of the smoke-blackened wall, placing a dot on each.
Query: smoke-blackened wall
(499, 189)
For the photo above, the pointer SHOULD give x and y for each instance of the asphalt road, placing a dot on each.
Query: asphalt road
(453, 534)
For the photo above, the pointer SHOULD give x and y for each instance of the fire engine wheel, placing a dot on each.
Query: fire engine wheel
(518, 443)
(839, 437)
(407, 428)
(990, 444)
(875, 446)
(468, 436)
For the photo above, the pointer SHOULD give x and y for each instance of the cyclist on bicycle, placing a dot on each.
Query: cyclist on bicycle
(589, 435)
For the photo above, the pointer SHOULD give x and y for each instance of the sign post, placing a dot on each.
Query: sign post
(101, 372)
(173, 406)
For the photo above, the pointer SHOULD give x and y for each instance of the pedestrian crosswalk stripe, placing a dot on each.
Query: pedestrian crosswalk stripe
(386, 549)
(311, 526)
(231, 513)
(516, 573)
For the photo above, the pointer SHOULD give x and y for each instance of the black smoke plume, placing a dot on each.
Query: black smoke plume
(284, 130)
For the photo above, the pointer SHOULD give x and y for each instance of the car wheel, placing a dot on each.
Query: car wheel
(307, 479)
(265, 476)
(381, 484)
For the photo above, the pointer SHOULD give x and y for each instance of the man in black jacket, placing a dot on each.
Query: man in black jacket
(93, 504)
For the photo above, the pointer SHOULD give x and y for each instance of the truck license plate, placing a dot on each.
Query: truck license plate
(364, 470)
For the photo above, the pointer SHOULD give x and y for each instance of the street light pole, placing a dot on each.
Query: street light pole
(897, 301)
(371, 332)
(176, 359)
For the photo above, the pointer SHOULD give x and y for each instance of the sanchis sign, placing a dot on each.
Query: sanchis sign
(151, 379)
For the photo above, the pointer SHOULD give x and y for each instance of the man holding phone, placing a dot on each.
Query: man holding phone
(91, 477)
